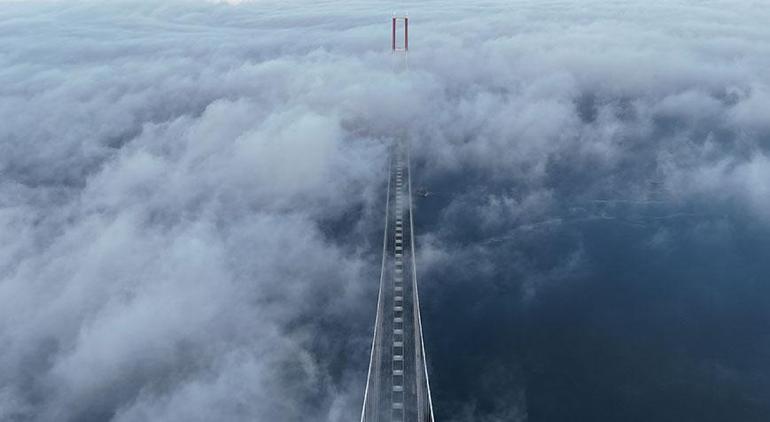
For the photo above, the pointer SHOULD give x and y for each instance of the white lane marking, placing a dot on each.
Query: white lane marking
(398, 372)
(398, 357)
(398, 308)
(398, 319)
(398, 388)
(398, 405)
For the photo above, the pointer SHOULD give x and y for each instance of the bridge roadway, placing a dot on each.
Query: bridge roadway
(397, 387)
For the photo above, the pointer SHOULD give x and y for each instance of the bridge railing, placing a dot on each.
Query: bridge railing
(424, 400)
(370, 410)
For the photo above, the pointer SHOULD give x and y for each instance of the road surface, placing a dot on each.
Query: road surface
(397, 383)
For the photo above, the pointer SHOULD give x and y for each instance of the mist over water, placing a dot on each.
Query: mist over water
(192, 196)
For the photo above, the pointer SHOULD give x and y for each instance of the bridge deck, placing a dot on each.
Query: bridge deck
(397, 387)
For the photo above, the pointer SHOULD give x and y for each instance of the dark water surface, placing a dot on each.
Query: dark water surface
(602, 311)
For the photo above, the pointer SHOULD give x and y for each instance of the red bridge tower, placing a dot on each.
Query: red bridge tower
(394, 44)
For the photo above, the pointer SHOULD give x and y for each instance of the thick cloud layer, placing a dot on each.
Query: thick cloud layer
(191, 200)
(186, 227)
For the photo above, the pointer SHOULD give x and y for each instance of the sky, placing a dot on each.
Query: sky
(192, 192)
